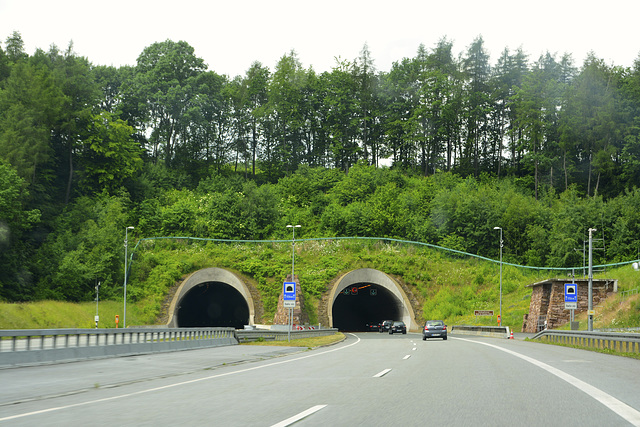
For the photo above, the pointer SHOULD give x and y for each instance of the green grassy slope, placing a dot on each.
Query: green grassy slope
(444, 284)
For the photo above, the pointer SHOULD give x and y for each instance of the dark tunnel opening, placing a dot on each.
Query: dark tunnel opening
(362, 303)
(213, 304)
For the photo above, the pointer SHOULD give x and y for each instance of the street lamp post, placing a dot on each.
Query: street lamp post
(293, 252)
(97, 318)
(590, 312)
(501, 244)
(126, 240)
(293, 261)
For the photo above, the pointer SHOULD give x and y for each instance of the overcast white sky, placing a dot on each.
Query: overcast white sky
(230, 35)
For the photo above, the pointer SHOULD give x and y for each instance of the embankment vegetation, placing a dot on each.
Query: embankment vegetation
(445, 284)
(439, 150)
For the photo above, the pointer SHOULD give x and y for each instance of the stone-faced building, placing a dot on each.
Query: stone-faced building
(547, 301)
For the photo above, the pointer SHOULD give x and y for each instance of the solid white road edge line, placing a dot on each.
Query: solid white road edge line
(625, 411)
(298, 417)
(121, 396)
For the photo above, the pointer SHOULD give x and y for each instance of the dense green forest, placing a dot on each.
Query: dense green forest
(439, 149)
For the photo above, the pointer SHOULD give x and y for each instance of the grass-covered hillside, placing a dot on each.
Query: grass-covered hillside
(444, 284)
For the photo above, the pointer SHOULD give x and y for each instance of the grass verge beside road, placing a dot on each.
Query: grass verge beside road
(303, 342)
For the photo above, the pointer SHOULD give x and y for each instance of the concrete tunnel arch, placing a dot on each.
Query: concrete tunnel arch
(399, 303)
(197, 301)
(237, 296)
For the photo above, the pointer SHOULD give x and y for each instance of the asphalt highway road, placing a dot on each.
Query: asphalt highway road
(370, 379)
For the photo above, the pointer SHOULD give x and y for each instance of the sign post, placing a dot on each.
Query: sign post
(289, 294)
(483, 312)
(289, 290)
(571, 298)
(289, 301)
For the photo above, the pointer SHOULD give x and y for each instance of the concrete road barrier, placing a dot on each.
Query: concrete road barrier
(485, 331)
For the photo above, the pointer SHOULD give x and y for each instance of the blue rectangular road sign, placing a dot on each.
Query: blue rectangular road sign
(570, 292)
(289, 291)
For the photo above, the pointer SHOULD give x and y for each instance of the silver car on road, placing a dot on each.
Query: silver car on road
(434, 329)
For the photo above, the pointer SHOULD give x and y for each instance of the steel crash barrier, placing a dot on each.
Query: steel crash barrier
(617, 341)
(30, 346)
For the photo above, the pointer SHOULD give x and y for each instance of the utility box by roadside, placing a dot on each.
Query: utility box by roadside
(575, 326)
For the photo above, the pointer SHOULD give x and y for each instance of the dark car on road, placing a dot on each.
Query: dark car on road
(373, 326)
(385, 325)
(434, 329)
(398, 327)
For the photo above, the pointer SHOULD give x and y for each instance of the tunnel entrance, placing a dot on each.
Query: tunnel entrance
(366, 296)
(213, 304)
(363, 303)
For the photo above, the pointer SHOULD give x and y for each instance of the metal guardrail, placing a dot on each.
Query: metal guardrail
(628, 293)
(32, 346)
(486, 331)
(29, 346)
(249, 335)
(618, 341)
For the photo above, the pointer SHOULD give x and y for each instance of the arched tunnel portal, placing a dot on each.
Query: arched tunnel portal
(367, 295)
(212, 297)
(216, 297)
